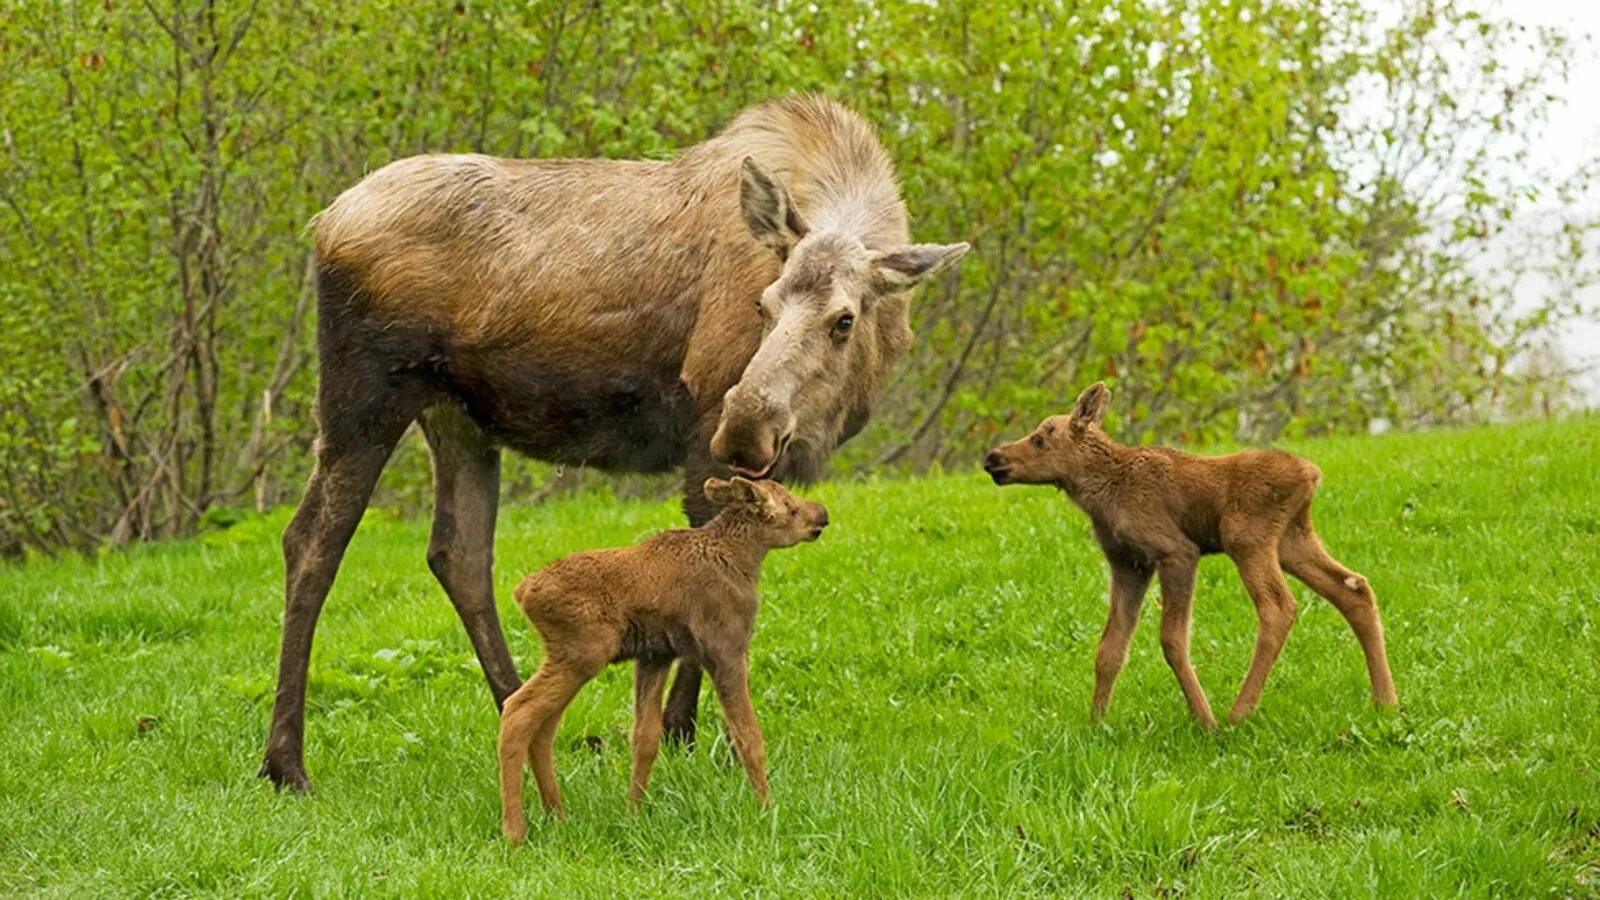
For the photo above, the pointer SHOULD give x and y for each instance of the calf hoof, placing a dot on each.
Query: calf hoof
(514, 832)
(285, 775)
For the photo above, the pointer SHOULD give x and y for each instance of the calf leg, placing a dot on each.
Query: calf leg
(528, 731)
(732, 682)
(1275, 612)
(466, 487)
(516, 734)
(1304, 557)
(649, 681)
(1177, 603)
(1128, 586)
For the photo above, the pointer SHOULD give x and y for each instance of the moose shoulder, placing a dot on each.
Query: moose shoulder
(732, 310)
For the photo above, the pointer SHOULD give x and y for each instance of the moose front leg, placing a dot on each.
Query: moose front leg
(683, 701)
(683, 705)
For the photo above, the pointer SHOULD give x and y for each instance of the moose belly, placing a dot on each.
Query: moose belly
(626, 418)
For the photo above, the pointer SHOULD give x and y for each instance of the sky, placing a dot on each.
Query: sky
(1572, 133)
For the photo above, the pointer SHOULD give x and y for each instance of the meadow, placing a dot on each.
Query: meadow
(922, 674)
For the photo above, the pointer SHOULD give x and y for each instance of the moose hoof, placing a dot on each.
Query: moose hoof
(678, 733)
(284, 776)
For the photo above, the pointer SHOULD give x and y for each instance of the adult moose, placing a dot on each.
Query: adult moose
(732, 310)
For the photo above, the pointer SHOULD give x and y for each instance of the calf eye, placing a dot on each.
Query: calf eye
(844, 324)
(1038, 441)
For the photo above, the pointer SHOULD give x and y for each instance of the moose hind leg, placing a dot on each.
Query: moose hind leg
(1304, 557)
(313, 546)
(466, 488)
(368, 393)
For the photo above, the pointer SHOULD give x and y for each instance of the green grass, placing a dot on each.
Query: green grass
(922, 675)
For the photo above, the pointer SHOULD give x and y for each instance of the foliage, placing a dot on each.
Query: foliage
(927, 725)
(1176, 194)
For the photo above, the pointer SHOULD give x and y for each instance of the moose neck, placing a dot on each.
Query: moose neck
(1093, 483)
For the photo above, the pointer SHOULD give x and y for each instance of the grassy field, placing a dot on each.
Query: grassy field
(922, 674)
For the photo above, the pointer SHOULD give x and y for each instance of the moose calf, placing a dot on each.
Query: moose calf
(1157, 511)
(687, 593)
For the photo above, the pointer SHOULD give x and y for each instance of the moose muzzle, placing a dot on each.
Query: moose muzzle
(752, 435)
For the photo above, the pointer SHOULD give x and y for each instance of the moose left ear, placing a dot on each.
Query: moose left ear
(1092, 405)
(903, 268)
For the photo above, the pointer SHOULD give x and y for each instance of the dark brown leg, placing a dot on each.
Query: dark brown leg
(683, 704)
(683, 701)
(466, 487)
(313, 546)
(1177, 605)
(1128, 586)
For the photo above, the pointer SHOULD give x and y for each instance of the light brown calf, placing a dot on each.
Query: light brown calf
(1156, 511)
(688, 593)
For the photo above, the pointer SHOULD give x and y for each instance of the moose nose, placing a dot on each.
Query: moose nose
(750, 451)
(992, 461)
(822, 519)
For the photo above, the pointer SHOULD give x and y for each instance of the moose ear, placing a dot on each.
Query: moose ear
(768, 211)
(1092, 405)
(903, 268)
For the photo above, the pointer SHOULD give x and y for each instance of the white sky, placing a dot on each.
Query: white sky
(1572, 133)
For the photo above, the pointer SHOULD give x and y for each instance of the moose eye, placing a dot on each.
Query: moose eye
(844, 324)
(1038, 441)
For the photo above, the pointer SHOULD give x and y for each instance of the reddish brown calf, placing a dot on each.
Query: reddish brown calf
(684, 594)
(1156, 511)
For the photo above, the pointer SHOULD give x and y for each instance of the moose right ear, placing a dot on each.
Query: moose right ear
(767, 209)
(1092, 405)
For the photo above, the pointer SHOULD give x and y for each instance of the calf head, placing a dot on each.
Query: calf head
(1059, 449)
(824, 327)
(781, 519)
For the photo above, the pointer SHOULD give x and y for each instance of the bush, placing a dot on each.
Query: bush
(1181, 196)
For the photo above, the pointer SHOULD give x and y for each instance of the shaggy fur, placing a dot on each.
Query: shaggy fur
(601, 312)
(687, 593)
(1156, 511)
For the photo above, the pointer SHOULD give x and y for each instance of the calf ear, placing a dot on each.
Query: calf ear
(1092, 405)
(744, 490)
(768, 211)
(718, 491)
(903, 268)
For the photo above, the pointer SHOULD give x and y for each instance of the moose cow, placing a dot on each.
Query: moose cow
(731, 311)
